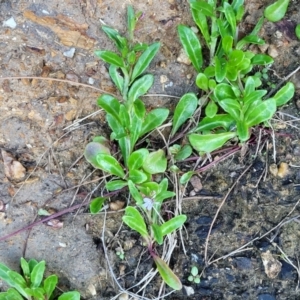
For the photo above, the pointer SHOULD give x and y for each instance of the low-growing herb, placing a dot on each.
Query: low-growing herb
(31, 284)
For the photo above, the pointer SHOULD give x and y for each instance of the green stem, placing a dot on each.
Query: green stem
(126, 83)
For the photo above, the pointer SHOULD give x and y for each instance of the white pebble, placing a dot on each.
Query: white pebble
(10, 23)
(69, 53)
(91, 80)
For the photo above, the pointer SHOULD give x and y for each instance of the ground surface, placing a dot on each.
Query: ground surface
(41, 128)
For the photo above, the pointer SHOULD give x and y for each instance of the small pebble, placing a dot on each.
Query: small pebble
(91, 80)
(11, 23)
(123, 296)
(273, 169)
(272, 51)
(69, 53)
(116, 205)
(283, 170)
(188, 290)
(183, 58)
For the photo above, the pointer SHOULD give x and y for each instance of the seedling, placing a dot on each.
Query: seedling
(30, 285)
(129, 121)
(194, 277)
(120, 253)
(231, 98)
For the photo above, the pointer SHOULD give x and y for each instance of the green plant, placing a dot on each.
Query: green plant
(120, 253)
(194, 277)
(297, 31)
(129, 121)
(276, 11)
(30, 285)
(232, 100)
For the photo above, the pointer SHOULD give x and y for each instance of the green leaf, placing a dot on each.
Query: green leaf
(227, 43)
(276, 11)
(92, 150)
(49, 284)
(232, 107)
(243, 131)
(16, 281)
(297, 31)
(135, 193)
(115, 185)
(25, 267)
(12, 294)
(124, 116)
(223, 91)
(155, 162)
(140, 87)
(110, 57)
(116, 126)
(131, 20)
(191, 45)
(236, 57)
(74, 295)
(185, 178)
(32, 263)
(173, 224)
(230, 16)
(110, 104)
(36, 293)
(109, 164)
(222, 120)
(249, 85)
(203, 7)
(117, 79)
(221, 68)
(114, 35)
(209, 142)
(135, 221)
(126, 148)
(137, 158)
(262, 112)
(249, 39)
(96, 204)
(161, 196)
(184, 110)
(37, 274)
(139, 109)
(211, 109)
(166, 273)
(157, 234)
(262, 59)
(250, 98)
(285, 94)
(202, 81)
(144, 61)
(201, 21)
(137, 176)
(154, 119)
(184, 153)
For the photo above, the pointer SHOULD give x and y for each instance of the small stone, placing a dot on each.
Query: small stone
(92, 289)
(183, 58)
(196, 183)
(188, 290)
(283, 170)
(91, 80)
(69, 53)
(272, 265)
(116, 205)
(272, 51)
(273, 169)
(263, 48)
(123, 296)
(11, 23)
(163, 79)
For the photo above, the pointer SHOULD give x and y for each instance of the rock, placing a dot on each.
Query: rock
(183, 58)
(123, 296)
(12, 168)
(283, 170)
(11, 23)
(69, 53)
(272, 265)
(188, 290)
(273, 169)
(272, 51)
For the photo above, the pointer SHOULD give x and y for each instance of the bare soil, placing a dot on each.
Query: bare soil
(45, 125)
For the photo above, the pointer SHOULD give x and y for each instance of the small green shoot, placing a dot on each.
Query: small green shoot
(194, 277)
(30, 285)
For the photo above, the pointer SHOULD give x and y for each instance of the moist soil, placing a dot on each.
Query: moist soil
(253, 248)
